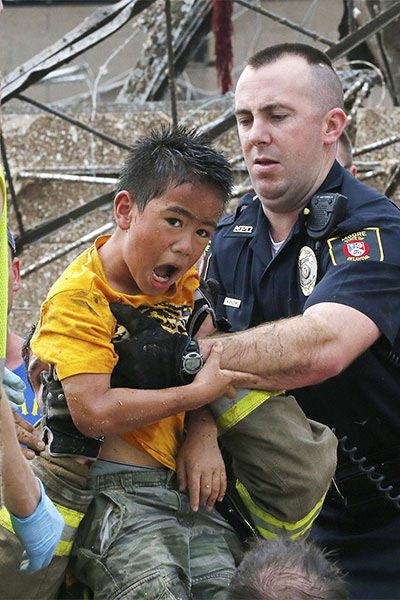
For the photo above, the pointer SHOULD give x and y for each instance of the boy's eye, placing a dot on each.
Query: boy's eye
(174, 221)
(203, 233)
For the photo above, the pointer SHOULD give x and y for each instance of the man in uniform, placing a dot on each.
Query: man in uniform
(309, 270)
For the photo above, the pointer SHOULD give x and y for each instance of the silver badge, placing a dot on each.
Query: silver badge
(308, 267)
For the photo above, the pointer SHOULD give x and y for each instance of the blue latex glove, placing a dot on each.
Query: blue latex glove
(14, 387)
(39, 533)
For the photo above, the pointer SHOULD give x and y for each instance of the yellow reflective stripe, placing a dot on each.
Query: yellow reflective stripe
(5, 520)
(268, 525)
(71, 517)
(269, 535)
(64, 548)
(241, 409)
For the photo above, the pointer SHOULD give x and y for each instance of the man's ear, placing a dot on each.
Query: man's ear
(123, 206)
(334, 123)
(16, 274)
(353, 170)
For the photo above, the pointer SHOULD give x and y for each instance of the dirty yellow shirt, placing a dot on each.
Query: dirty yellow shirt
(76, 327)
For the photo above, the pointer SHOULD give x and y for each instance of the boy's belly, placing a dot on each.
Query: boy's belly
(118, 449)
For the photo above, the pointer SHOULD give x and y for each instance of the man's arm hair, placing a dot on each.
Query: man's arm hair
(302, 350)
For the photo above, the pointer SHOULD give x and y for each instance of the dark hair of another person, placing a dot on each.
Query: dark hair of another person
(173, 156)
(26, 346)
(11, 242)
(347, 149)
(285, 569)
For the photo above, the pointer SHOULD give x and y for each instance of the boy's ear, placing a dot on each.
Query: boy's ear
(123, 205)
(335, 122)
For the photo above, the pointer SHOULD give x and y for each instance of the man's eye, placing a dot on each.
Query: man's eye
(278, 117)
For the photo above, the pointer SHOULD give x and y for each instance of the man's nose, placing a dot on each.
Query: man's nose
(260, 133)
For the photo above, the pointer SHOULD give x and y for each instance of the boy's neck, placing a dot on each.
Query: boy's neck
(115, 270)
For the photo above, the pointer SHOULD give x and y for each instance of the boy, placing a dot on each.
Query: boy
(171, 195)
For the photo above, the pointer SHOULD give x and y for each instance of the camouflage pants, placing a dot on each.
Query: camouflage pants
(141, 540)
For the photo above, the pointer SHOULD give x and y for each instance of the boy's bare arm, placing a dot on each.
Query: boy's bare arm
(97, 409)
(200, 466)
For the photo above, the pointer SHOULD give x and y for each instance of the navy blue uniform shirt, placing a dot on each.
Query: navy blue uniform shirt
(359, 266)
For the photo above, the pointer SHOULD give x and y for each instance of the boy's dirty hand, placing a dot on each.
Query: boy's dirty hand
(222, 382)
(218, 382)
(200, 466)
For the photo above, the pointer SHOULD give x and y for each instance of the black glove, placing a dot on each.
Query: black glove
(205, 300)
(152, 358)
(63, 437)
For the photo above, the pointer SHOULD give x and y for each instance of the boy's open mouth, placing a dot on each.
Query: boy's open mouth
(164, 273)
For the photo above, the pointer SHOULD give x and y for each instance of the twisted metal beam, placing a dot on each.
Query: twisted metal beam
(283, 21)
(393, 139)
(361, 34)
(89, 237)
(94, 29)
(73, 121)
(41, 231)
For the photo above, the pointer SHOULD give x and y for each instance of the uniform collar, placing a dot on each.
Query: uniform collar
(250, 220)
(333, 180)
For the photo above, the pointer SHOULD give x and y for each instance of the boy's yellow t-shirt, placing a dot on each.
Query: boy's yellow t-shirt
(76, 327)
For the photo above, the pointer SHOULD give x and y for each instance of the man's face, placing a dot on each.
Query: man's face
(169, 236)
(280, 125)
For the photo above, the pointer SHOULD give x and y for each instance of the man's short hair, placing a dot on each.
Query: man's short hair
(327, 81)
(11, 242)
(173, 156)
(271, 54)
(289, 569)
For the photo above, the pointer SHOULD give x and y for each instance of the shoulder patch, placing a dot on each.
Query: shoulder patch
(360, 245)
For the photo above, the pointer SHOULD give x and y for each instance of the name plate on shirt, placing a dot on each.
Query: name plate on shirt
(234, 302)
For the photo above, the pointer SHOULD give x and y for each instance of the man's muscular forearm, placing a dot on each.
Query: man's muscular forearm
(299, 351)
